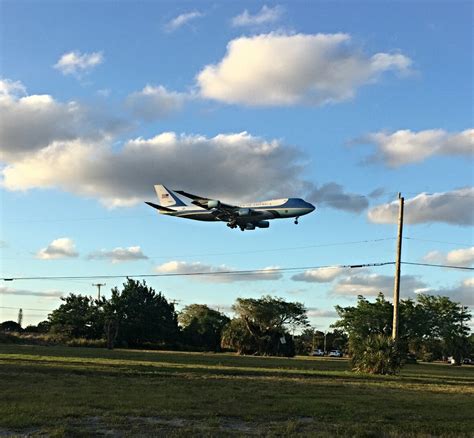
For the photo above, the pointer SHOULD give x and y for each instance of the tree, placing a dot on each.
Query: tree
(10, 326)
(446, 321)
(432, 327)
(262, 325)
(142, 314)
(78, 317)
(366, 317)
(202, 326)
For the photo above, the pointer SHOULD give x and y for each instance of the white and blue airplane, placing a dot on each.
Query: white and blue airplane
(246, 216)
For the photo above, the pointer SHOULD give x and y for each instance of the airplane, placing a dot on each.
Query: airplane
(245, 217)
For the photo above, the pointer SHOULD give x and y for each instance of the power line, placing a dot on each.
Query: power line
(438, 241)
(192, 274)
(34, 310)
(467, 268)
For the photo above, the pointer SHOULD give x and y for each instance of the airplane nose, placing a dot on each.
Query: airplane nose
(311, 206)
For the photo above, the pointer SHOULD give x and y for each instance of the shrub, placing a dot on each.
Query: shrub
(375, 354)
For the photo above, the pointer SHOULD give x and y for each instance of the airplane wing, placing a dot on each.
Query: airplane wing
(208, 204)
(224, 212)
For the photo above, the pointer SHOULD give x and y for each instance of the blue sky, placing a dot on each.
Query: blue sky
(343, 104)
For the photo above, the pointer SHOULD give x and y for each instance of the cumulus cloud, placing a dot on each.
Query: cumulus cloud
(457, 257)
(243, 167)
(77, 63)
(463, 292)
(371, 284)
(58, 249)
(11, 88)
(279, 69)
(333, 195)
(118, 255)
(23, 292)
(266, 15)
(320, 275)
(453, 208)
(219, 274)
(405, 146)
(47, 120)
(153, 103)
(181, 20)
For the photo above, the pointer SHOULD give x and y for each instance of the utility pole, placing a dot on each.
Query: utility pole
(396, 286)
(98, 285)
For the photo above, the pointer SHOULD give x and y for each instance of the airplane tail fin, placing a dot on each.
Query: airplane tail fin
(166, 197)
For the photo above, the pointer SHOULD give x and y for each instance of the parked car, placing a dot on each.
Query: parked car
(317, 352)
(335, 353)
(467, 361)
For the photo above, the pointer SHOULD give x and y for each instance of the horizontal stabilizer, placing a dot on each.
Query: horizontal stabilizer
(159, 207)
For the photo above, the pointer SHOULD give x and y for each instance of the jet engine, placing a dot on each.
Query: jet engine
(263, 224)
(243, 212)
(249, 226)
(213, 204)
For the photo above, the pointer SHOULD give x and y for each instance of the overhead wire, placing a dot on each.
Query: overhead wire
(437, 241)
(195, 274)
(432, 265)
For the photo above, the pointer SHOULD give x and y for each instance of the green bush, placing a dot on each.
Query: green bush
(83, 342)
(375, 354)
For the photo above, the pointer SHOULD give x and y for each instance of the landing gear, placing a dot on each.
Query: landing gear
(296, 220)
(232, 225)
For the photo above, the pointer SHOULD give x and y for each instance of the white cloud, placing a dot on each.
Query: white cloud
(453, 207)
(457, 257)
(118, 255)
(22, 292)
(279, 69)
(47, 120)
(333, 195)
(320, 275)
(405, 146)
(11, 88)
(153, 103)
(181, 20)
(77, 63)
(243, 167)
(264, 16)
(58, 249)
(372, 284)
(462, 292)
(219, 274)
(314, 312)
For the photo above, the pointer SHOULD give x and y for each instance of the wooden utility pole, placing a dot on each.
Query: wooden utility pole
(98, 285)
(396, 286)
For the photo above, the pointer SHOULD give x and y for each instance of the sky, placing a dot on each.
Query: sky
(339, 103)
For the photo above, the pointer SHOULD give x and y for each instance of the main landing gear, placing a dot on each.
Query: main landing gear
(296, 220)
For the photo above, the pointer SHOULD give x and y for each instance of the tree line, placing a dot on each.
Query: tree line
(430, 328)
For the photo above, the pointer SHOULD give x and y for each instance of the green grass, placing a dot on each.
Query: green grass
(60, 391)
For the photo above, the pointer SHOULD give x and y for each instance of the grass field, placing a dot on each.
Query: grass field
(60, 391)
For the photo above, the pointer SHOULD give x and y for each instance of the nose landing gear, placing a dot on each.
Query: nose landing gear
(296, 220)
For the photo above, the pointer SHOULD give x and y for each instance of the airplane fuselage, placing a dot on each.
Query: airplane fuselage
(272, 209)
